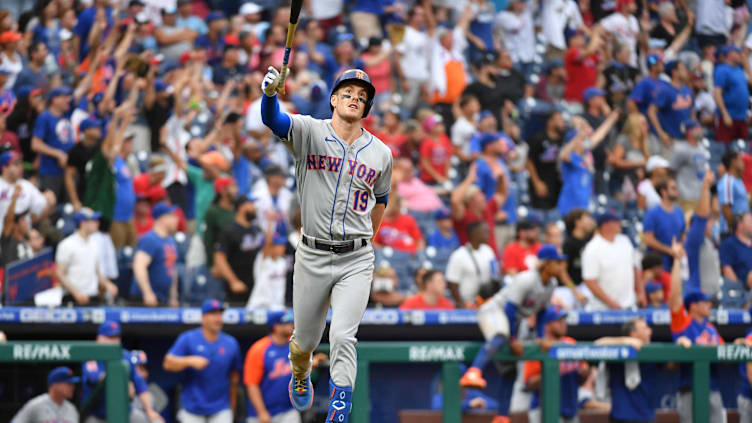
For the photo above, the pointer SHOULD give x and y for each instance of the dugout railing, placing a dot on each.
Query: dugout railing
(116, 380)
(451, 354)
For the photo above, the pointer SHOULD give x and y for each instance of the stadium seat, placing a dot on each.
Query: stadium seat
(143, 160)
(183, 242)
(125, 271)
(198, 285)
(438, 257)
(732, 294)
(404, 264)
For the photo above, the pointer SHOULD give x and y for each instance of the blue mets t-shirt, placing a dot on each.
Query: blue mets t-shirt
(125, 195)
(56, 132)
(207, 391)
(578, 183)
(674, 107)
(644, 92)
(164, 255)
(733, 82)
(665, 226)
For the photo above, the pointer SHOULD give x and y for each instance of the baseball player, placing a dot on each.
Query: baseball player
(93, 373)
(54, 405)
(499, 317)
(744, 399)
(344, 175)
(689, 324)
(555, 330)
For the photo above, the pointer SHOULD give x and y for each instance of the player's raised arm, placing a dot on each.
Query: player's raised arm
(271, 115)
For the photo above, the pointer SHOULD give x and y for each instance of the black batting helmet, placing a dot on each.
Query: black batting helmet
(360, 77)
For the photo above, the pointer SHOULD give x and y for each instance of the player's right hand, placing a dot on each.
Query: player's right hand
(198, 362)
(271, 82)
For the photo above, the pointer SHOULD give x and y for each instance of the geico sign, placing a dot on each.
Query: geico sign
(33, 315)
(380, 317)
(41, 352)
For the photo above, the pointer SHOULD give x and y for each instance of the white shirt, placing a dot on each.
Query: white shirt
(30, 199)
(264, 202)
(519, 34)
(713, 17)
(415, 49)
(462, 132)
(270, 277)
(81, 258)
(325, 9)
(611, 264)
(463, 271)
(13, 68)
(440, 56)
(253, 120)
(559, 15)
(176, 138)
(108, 266)
(624, 29)
(647, 190)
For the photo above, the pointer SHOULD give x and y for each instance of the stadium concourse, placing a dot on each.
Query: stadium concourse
(137, 180)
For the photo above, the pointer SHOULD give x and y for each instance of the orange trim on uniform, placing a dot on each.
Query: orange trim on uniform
(253, 369)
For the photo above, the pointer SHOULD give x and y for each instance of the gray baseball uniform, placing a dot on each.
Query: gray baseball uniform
(526, 292)
(338, 185)
(42, 409)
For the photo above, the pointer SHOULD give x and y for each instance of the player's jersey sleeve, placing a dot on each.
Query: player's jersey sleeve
(680, 320)
(518, 290)
(253, 371)
(300, 134)
(27, 413)
(530, 370)
(180, 347)
(384, 182)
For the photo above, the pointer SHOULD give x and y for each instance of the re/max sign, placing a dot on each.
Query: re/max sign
(41, 352)
(734, 353)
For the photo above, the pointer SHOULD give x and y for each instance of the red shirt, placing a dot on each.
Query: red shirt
(417, 302)
(401, 233)
(664, 279)
(518, 258)
(143, 189)
(489, 216)
(581, 74)
(438, 153)
(747, 174)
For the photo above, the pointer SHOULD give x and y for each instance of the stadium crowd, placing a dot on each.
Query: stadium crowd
(613, 134)
(587, 126)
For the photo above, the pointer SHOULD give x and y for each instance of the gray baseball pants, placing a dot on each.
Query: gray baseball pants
(684, 407)
(323, 278)
(744, 406)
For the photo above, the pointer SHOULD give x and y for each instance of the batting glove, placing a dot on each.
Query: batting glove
(272, 80)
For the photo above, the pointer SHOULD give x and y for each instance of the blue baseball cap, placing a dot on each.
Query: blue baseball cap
(592, 92)
(728, 49)
(487, 139)
(654, 59)
(161, 209)
(606, 217)
(160, 85)
(670, 66)
(62, 374)
(109, 328)
(138, 358)
(84, 214)
(552, 314)
(484, 114)
(442, 213)
(651, 287)
(549, 252)
(553, 64)
(214, 15)
(694, 297)
(345, 37)
(89, 123)
(8, 157)
(62, 90)
(211, 305)
(276, 318)
(689, 124)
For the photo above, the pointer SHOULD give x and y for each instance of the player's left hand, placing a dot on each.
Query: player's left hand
(516, 347)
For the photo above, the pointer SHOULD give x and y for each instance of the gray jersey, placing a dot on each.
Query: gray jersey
(337, 183)
(527, 292)
(42, 409)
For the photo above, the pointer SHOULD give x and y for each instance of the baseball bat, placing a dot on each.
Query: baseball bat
(294, 13)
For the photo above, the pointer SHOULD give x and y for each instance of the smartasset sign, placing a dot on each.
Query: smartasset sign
(590, 353)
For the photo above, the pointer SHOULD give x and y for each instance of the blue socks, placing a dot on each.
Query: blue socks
(340, 403)
(487, 352)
